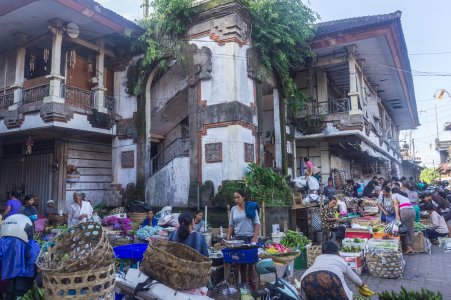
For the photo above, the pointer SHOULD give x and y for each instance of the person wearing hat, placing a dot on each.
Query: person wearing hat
(325, 278)
(50, 208)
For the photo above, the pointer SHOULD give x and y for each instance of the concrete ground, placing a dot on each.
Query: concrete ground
(422, 271)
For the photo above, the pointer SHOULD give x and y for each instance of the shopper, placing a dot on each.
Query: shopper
(438, 227)
(13, 205)
(360, 209)
(28, 209)
(329, 190)
(199, 224)
(186, 235)
(80, 211)
(414, 199)
(312, 170)
(442, 204)
(329, 218)
(369, 190)
(406, 214)
(351, 188)
(385, 204)
(325, 278)
(242, 225)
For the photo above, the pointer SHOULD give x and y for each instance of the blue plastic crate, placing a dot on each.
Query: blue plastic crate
(240, 256)
(133, 251)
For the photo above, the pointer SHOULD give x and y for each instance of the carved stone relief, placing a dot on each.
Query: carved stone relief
(100, 120)
(54, 111)
(128, 159)
(201, 64)
(248, 152)
(13, 119)
(213, 152)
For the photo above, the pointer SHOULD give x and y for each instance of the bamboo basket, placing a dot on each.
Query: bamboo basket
(137, 217)
(176, 265)
(118, 210)
(82, 247)
(117, 238)
(313, 252)
(282, 259)
(385, 264)
(88, 284)
(56, 220)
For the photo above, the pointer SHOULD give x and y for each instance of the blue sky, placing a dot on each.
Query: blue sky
(426, 29)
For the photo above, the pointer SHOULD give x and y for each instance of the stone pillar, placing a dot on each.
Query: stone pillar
(277, 129)
(99, 90)
(321, 79)
(55, 71)
(19, 79)
(325, 162)
(353, 91)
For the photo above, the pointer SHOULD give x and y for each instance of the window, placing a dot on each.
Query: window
(7, 70)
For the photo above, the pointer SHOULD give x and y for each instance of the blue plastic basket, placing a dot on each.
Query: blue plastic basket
(133, 251)
(240, 256)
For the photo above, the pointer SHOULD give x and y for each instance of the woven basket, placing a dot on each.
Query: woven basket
(283, 259)
(137, 217)
(117, 238)
(385, 264)
(56, 220)
(82, 247)
(225, 291)
(88, 284)
(312, 253)
(118, 210)
(176, 265)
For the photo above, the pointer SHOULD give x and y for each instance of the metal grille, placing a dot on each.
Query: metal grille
(176, 148)
(77, 97)
(6, 100)
(35, 94)
(110, 103)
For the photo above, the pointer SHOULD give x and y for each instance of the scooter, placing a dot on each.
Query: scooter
(280, 289)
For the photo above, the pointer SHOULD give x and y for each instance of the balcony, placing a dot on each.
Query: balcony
(35, 94)
(332, 106)
(179, 147)
(6, 100)
(77, 97)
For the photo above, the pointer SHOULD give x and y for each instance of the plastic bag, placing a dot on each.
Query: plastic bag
(313, 184)
(300, 182)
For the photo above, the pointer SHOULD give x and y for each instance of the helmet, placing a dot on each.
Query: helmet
(18, 226)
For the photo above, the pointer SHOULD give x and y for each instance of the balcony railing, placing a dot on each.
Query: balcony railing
(6, 100)
(179, 147)
(35, 94)
(110, 103)
(328, 107)
(77, 97)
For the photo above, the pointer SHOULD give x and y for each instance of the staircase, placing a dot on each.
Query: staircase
(179, 147)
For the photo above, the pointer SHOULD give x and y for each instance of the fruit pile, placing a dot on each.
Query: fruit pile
(365, 291)
(275, 248)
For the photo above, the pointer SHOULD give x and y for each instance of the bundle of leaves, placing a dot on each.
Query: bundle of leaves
(424, 294)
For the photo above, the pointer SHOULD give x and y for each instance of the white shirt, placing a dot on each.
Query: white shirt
(335, 264)
(75, 211)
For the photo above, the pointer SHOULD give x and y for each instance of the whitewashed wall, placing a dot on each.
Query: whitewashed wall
(340, 164)
(121, 175)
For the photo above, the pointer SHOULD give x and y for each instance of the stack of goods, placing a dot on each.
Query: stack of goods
(298, 241)
(148, 231)
(119, 230)
(176, 265)
(384, 258)
(137, 211)
(78, 264)
(119, 212)
(352, 252)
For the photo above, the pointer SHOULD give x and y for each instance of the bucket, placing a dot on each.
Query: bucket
(275, 228)
(300, 262)
(207, 237)
(276, 237)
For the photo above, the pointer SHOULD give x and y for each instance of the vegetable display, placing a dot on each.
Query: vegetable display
(424, 294)
(275, 248)
(123, 224)
(148, 231)
(351, 249)
(420, 226)
(294, 239)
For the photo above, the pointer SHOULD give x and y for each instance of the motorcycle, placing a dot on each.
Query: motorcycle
(280, 289)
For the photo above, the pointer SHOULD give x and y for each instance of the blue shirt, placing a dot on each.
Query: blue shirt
(18, 258)
(15, 205)
(194, 240)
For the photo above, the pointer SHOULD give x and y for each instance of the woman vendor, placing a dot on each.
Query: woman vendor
(329, 217)
(438, 227)
(406, 214)
(80, 211)
(385, 204)
(199, 223)
(148, 220)
(186, 235)
(240, 224)
(325, 278)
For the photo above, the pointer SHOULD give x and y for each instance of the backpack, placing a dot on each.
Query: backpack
(250, 208)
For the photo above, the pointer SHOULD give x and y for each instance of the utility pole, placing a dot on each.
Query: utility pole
(145, 7)
(436, 122)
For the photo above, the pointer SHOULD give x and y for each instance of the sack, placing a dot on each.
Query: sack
(250, 209)
(312, 183)
(341, 230)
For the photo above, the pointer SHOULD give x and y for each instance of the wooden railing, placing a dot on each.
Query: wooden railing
(6, 100)
(35, 94)
(179, 147)
(77, 97)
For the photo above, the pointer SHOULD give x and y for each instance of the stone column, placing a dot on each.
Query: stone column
(19, 79)
(277, 129)
(55, 71)
(321, 79)
(353, 91)
(99, 90)
(325, 162)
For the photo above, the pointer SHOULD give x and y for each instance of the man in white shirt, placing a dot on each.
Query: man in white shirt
(80, 211)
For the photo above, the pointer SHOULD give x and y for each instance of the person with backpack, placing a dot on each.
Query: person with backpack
(244, 222)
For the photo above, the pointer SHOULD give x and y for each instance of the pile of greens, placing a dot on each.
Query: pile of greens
(295, 240)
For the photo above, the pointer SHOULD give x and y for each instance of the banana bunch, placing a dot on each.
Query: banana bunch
(35, 293)
(365, 291)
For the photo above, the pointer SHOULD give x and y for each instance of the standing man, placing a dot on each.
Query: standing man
(80, 211)
(13, 205)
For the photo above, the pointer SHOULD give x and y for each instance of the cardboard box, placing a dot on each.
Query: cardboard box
(354, 260)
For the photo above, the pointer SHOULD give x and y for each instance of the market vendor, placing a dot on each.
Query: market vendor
(351, 188)
(13, 205)
(199, 223)
(186, 235)
(443, 205)
(50, 208)
(325, 278)
(385, 205)
(80, 211)
(148, 220)
(329, 190)
(360, 209)
(329, 217)
(244, 222)
(438, 227)
(406, 214)
(28, 209)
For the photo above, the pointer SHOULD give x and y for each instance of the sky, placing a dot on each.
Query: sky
(426, 30)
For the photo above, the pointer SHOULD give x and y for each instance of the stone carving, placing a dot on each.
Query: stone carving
(201, 64)
(231, 26)
(54, 111)
(13, 118)
(213, 152)
(367, 129)
(100, 120)
(128, 159)
(248, 152)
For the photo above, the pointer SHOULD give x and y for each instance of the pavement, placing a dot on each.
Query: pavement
(430, 271)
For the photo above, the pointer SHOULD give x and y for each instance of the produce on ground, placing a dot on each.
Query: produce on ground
(35, 293)
(123, 224)
(294, 239)
(351, 249)
(424, 294)
(275, 248)
(365, 291)
(148, 231)
(420, 226)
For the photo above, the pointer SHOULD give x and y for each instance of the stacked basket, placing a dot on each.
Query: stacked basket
(388, 264)
(79, 264)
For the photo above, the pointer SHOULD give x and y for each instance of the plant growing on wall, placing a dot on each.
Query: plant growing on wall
(264, 185)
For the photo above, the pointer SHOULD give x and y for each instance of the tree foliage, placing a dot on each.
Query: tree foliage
(429, 175)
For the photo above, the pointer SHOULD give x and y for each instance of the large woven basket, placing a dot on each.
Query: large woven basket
(313, 252)
(82, 247)
(93, 284)
(137, 217)
(176, 265)
(385, 264)
(118, 210)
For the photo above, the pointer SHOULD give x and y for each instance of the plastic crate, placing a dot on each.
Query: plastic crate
(240, 256)
(133, 251)
(300, 262)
